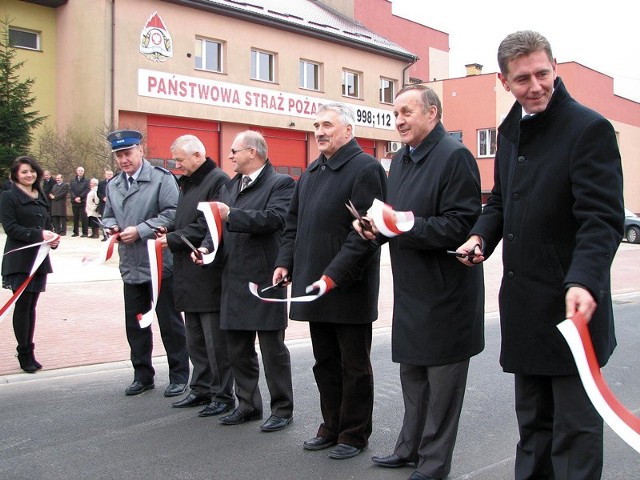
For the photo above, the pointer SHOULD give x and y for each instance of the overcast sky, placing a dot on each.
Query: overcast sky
(604, 36)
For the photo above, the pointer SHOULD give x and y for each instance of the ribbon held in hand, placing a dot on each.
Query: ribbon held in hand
(323, 285)
(389, 222)
(214, 222)
(621, 420)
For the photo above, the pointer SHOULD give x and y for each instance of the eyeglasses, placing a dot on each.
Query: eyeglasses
(240, 150)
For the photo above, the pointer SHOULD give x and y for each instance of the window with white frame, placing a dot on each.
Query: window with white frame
(309, 75)
(262, 66)
(387, 90)
(487, 142)
(24, 39)
(209, 55)
(457, 135)
(350, 84)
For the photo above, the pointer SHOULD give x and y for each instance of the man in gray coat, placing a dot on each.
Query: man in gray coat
(438, 307)
(321, 250)
(254, 206)
(142, 193)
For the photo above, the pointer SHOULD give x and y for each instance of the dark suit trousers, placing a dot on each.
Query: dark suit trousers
(59, 224)
(246, 370)
(561, 433)
(207, 347)
(433, 397)
(344, 377)
(137, 299)
(79, 217)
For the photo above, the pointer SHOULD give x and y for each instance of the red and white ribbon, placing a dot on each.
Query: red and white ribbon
(389, 222)
(155, 265)
(106, 252)
(214, 222)
(323, 286)
(621, 420)
(43, 251)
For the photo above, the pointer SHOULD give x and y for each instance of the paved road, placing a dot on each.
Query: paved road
(75, 423)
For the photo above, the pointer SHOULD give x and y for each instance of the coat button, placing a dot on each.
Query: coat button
(323, 167)
(511, 236)
(510, 274)
(520, 159)
(516, 196)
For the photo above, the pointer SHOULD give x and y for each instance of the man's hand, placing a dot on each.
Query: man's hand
(129, 235)
(280, 274)
(366, 234)
(223, 208)
(578, 299)
(472, 246)
(197, 259)
(77, 200)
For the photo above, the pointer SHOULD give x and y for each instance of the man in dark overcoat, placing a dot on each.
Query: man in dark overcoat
(58, 200)
(438, 308)
(254, 206)
(79, 189)
(557, 206)
(321, 251)
(196, 290)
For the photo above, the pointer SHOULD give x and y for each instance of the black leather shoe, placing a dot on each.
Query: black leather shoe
(343, 451)
(275, 423)
(238, 417)
(392, 461)
(215, 408)
(136, 388)
(175, 389)
(419, 476)
(318, 443)
(192, 400)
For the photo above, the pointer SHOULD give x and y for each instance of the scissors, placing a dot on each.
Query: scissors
(197, 252)
(363, 222)
(278, 284)
(105, 230)
(154, 228)
(468, 255)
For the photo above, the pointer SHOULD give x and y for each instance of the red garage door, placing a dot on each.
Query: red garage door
(368, 145)
(162, 131)
(287, 150)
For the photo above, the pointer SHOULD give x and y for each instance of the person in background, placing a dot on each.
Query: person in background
(79, 189)
(25, 217)
(438, 307)
(102, 195)
(557, 207)
(142, 193)
(254, 205)
(92, 208)
(320, 251)
(47, 184)
(58, 201)
(196, 289)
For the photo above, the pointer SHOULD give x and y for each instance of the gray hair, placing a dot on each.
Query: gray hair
(345, 113)
(428, 96)
(518, 44)
(189, 144)
(253, 139)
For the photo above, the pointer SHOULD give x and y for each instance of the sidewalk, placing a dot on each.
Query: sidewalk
(81, 315)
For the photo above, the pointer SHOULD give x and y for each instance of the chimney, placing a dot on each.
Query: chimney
(473, 69)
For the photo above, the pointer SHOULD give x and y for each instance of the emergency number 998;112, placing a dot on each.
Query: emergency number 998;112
(372, 119)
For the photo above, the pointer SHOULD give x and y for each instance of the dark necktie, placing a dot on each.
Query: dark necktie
(130, 182)
(245, 182)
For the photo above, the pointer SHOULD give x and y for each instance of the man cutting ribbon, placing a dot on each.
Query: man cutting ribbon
(152, 195)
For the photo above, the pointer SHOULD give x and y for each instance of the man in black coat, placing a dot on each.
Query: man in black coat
(321, 251)
(438, 308)
(102, 196)
(254, 206)
(79, 189)
(557, 205)
(196, 290)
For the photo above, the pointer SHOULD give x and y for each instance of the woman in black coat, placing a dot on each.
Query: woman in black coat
(25, 216)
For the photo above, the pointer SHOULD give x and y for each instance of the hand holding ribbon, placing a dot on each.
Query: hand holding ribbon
(323, 285)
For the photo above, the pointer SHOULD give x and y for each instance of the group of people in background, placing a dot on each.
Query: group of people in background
(556, 204)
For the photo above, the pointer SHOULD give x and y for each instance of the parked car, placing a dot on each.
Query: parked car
(631, 227)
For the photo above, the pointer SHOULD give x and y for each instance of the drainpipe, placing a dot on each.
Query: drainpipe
(404, 71)
(113, 64)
